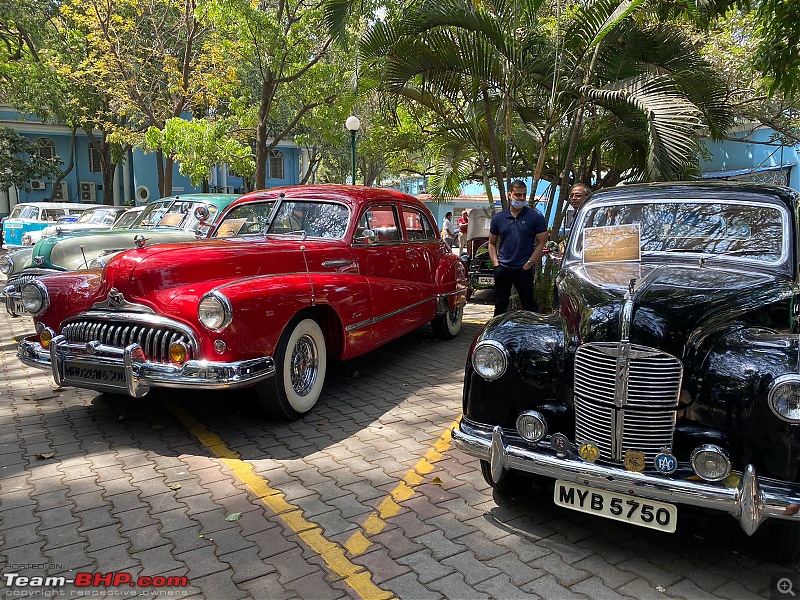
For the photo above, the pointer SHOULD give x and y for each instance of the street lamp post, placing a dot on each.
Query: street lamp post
(353, 124)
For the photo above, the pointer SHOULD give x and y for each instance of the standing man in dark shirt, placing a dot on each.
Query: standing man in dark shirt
(523, 234)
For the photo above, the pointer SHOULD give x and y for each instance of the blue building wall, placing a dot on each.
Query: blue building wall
(136, 181)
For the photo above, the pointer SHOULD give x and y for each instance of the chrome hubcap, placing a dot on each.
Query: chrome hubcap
(304, 365)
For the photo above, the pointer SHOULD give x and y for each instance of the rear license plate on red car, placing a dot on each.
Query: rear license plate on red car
(620, 507)
(105, 375)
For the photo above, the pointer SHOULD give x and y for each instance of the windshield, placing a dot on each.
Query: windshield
(294, 217)
(24, 212)
(177, 213)
(127, 219)
(615, 231)
(98, 216)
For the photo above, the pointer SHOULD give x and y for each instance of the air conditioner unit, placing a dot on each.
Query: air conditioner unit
(88, 191)
(37, 184)
(62, 193)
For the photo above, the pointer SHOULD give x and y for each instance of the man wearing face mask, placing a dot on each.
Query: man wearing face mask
(523, 234)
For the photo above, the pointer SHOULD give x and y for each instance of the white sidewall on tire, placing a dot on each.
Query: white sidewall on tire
(454, 328)
(303, 403)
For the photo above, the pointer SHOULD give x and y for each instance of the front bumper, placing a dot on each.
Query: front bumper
(12, 300)
(139, 375)
(752, 502)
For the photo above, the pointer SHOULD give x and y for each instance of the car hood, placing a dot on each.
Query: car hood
(156, 274)
(672, 307)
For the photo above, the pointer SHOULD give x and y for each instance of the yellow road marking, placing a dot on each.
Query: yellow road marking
(359, 579)
(358, 543)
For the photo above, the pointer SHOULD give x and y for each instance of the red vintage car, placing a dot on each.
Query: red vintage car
(289, 278)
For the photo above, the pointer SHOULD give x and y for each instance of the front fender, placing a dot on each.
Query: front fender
(536, 350)
(732, 387)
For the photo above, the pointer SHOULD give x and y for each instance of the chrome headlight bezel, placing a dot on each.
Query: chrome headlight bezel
(775, 396)
(220, 305)
(6, 265)
(487, 349)
(42, 298)
(718, 452)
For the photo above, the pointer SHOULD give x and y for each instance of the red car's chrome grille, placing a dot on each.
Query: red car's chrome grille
(625, 398)
(154, 340)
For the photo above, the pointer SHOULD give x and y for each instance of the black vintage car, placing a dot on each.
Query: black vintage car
(669, 373)
(476, 250)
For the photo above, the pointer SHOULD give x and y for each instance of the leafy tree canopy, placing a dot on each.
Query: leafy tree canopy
(20, 161)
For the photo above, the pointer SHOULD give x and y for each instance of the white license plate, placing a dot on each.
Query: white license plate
(19, 309)
(485, 280)
(106, 375)
(620, 507)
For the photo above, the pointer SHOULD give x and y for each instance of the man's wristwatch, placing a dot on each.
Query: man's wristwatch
(529, 263)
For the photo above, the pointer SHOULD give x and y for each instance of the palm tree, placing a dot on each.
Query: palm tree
(609, 84)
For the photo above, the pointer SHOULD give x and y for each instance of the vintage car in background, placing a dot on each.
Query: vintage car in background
(669, 374)
(171, 219)
(290, 278)
(95, 218)
(33, 216)
(476, 250)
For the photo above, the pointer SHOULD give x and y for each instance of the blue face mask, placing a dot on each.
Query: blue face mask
(518, 203)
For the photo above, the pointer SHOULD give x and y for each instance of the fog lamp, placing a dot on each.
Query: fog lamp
(178, 352)
(490, 359)
(531, 425)
(710, 462)
(45, 337)
(784, 397)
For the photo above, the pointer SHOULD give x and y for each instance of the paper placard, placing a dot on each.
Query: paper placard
(611, 244)
(230, 227)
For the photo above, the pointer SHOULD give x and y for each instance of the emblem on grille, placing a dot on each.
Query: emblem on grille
(116, 301)
(589, 452)
(665, 463)
(634, 460)
(560, 444)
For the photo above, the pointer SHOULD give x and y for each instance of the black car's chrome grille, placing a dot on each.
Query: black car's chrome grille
(155, 340)
(625, 398)
(28, 275)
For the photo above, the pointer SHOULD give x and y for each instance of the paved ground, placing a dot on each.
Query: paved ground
(364, 498)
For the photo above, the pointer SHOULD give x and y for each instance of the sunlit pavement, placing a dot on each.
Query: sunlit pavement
(364, 498)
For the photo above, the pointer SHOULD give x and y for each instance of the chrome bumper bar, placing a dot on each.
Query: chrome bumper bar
(11, 298)
(112, 363)
(751, 502)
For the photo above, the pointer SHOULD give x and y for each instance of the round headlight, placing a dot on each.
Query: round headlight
(784, 397)
(97, 263)
(531, 425)
(490, 359)
(34, 297)
(214, 311)
(6, 265)
(710, 462)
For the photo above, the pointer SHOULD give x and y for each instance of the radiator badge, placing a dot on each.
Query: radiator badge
(665, 463)
(560, 444)
(634, 460)
(589, 452)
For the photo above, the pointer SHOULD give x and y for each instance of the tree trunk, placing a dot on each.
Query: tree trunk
(168, 163)
(160, 171)
(68, 170)
(498, 168)
(264, 108)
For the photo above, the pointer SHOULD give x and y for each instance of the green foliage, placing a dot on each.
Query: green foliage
(199, 145)
(20, 161)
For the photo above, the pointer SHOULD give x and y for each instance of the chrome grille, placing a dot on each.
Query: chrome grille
(155, 340)
(28, 275)
(625, 398)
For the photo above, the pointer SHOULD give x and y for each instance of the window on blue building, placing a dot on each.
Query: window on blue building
(276, 164)
(47, 148)
(95, 164)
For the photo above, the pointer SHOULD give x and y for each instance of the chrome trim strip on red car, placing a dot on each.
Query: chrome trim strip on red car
(140, 375)
(752, 502)
(389, 315)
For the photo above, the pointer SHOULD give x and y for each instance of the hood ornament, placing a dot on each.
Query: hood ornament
(116, 301)
(38, 260)
(631, 287)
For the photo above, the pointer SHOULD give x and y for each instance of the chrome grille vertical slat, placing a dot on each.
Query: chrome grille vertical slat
(645, 419)
(163, 349)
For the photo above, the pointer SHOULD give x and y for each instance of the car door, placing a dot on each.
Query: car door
(391, 267)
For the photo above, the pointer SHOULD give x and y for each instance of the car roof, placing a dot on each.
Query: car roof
(46, 204)
(218, 200)
(351, 195)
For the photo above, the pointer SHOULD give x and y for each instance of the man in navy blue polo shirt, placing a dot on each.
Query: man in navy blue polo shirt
(523, 233)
